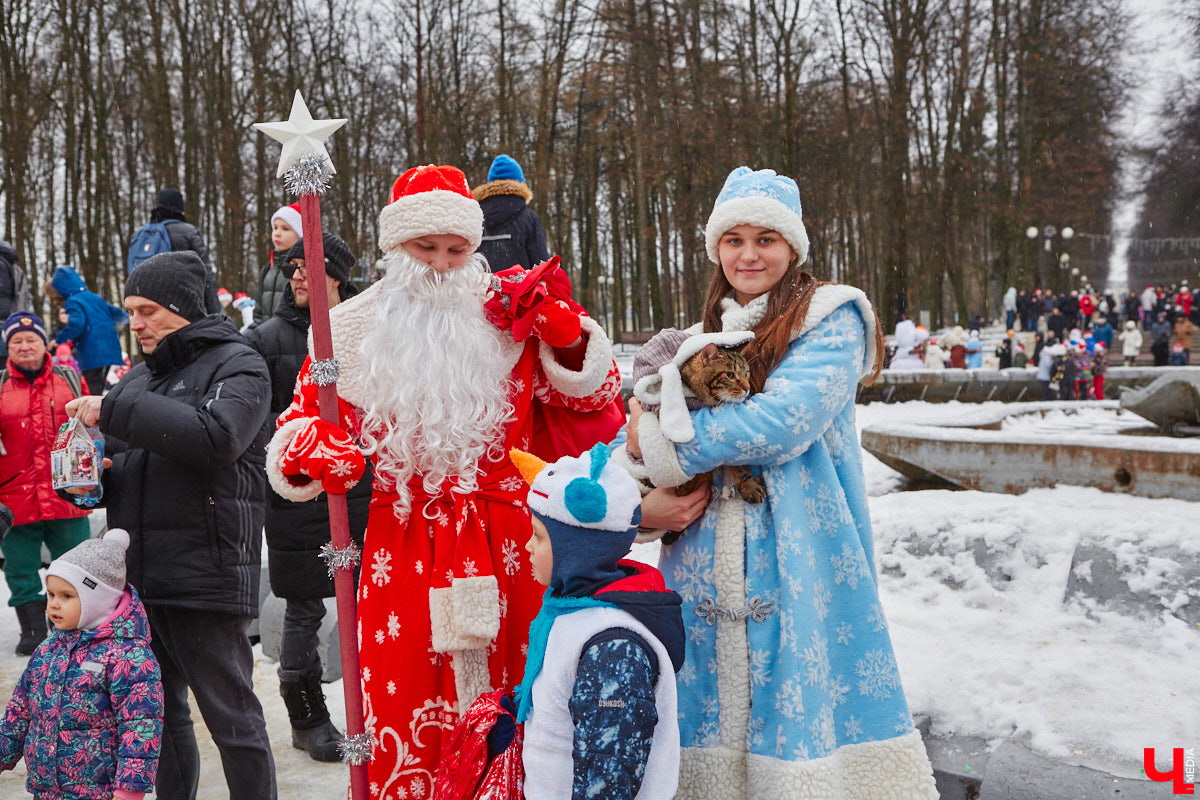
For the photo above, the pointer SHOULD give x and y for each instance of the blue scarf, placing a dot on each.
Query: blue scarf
(539, 633)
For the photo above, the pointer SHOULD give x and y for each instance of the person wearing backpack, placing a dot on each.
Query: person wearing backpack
(168, 231)
(91, 327)
(33, 404)
(14, 289)
(512, 231)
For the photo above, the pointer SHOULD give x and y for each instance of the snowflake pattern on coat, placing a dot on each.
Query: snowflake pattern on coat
(819, 666)
(87, 712)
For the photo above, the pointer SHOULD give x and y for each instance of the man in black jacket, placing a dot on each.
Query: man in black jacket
(184, 429)
(512, 231)
(296, 531)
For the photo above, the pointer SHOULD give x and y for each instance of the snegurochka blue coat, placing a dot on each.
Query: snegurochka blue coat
(790, 688)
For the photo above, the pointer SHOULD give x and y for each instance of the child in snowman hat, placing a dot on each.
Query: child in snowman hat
(598, 696)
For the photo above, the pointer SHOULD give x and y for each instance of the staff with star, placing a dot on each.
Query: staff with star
(306, 167)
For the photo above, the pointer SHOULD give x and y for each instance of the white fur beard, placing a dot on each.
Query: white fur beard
(438, 384)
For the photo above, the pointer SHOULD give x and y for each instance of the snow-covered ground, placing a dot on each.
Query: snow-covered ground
(990, 645)
(988, 640)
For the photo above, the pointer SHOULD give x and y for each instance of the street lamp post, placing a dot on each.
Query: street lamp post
(1048, 233)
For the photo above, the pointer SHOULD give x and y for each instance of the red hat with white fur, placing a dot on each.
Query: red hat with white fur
(430, 200)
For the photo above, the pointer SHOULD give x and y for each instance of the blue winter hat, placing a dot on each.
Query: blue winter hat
(505, 168)
(591, 508)
(23, 321)
(758, 197)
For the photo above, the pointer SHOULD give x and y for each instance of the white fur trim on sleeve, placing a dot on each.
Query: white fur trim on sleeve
(597, 360)
(658, 452)
(282, 484)
(432, 212)
(762, 211)
(466, 614)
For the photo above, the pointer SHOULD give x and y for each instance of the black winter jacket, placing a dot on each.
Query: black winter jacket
(512, 231)
(185, 432)
(296, 531)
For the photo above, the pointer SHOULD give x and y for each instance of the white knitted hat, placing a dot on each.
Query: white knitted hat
(96, 568)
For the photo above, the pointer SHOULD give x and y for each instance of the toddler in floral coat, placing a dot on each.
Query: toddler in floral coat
(87, 712)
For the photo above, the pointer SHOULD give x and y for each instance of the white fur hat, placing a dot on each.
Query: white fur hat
(761, 197)
(664, 388)
(430, 200)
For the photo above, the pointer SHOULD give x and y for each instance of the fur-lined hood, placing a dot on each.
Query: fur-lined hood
(497, 188)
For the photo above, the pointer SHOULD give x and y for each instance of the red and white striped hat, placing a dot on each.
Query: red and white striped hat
(430, 200)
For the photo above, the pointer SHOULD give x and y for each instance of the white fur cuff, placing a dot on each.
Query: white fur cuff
(286, 487)
(597, 361)
(637, 471)
(658, 453)
(466, 614)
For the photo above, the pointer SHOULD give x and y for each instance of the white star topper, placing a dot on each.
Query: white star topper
(301, 135)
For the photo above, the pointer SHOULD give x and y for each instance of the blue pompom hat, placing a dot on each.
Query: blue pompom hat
(758, 197)
(24, 321)
(591, 509)
(505, 168)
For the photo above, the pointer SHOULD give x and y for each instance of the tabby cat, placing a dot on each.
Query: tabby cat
(718, 375)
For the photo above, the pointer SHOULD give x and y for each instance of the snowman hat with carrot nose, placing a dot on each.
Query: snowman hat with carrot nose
(591, 509)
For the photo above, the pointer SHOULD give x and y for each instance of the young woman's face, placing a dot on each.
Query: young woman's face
(753, 260)
(541, 555)
(282, 235)
(62, 604)
(441, 251)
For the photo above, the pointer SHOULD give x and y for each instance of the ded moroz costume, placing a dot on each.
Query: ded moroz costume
(437, 393)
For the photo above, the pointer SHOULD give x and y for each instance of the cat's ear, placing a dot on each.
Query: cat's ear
(707, 353)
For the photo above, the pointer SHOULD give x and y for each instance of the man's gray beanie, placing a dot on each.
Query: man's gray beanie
(173, 280)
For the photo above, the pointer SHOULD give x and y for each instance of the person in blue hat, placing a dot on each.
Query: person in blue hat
(790, 687)
(512, 231)
(598, 698)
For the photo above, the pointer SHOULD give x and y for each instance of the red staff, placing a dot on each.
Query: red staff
(306, 168)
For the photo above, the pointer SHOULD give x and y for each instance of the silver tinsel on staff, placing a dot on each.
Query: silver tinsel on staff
(343, 558)
(356, 749)
(309, 175)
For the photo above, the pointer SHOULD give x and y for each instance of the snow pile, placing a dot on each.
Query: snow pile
(1000, 631)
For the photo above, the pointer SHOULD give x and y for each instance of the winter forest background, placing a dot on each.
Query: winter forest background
(926, 135)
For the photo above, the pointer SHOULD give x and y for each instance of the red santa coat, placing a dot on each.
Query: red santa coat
(446, 597)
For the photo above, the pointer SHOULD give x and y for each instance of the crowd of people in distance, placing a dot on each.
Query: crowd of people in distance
(1067, 338)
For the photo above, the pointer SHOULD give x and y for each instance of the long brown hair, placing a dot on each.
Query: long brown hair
(787, 306)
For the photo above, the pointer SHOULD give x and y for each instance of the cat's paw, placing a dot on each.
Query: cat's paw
(753, 489)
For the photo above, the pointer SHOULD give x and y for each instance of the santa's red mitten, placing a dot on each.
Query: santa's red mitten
(325, 453)
(557, 324)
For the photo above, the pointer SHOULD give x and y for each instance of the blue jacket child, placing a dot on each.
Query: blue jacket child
(87, 712)
(598, 696)
(91, 323)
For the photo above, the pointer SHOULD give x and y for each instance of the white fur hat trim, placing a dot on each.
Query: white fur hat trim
(764, 211)
(427, 213)
(665, 388)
